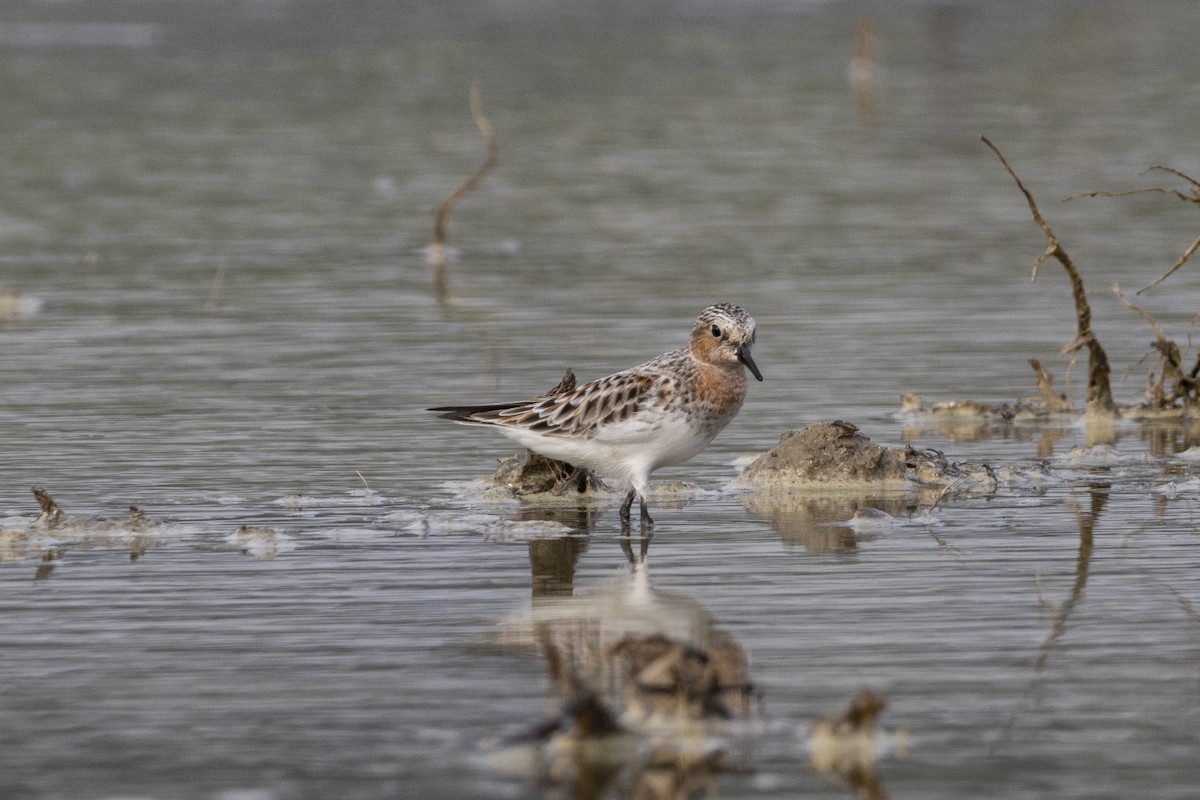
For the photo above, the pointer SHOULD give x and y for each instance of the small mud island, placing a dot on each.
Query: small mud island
(837, 455)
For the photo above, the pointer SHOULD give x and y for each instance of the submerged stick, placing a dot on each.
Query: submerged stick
(437, 247)
(1099, 392)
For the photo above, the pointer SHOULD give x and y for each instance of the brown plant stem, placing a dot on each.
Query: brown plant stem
(437, 247)
(1099, 392)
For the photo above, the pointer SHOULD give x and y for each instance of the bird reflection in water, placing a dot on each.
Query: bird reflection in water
(648, 696)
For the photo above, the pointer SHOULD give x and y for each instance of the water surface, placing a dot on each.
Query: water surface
(222, 218)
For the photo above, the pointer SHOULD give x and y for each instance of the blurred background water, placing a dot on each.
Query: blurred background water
(216, 213)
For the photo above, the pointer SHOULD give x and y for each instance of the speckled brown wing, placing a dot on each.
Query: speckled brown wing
(589, 409)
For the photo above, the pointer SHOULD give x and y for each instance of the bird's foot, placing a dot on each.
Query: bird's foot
(627, 507)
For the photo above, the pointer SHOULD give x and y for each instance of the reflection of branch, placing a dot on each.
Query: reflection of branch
(214, 291)
(1099, 394)
(1087, 524)
(437, 248)
(862, 66)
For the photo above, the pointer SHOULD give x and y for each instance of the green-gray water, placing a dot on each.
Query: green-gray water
(217, 212)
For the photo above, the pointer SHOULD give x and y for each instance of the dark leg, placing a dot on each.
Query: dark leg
(625, 534)
(646, 521)
(628, 504)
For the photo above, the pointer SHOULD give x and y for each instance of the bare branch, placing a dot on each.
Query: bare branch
(1051, 398)
(1053, 248)
(1194, 197)
(1141, 312)
(493, 154)
(1175, 172)
(1143, 190)
(1099, 392)
(1182, 260)
(437, 248)
(1183, 385)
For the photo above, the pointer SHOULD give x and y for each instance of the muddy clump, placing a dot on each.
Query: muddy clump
(532, 473)
(1050, 406)
(54, 532)
(259, 542)
(827, 452)
(836, 454)
(54, 518)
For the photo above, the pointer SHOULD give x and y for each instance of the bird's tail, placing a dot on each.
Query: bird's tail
(481, 414)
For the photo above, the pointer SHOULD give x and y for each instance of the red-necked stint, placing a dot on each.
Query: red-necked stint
(657, 414)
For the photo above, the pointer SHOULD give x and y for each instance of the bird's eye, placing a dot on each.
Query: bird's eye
(715, 330)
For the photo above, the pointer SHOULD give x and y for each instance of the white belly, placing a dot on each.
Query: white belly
(629, 453)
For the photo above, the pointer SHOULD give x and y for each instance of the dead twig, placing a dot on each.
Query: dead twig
(493, 153)
(1184, 386)
(1099, 392)
(1128, 192)
(437, 247)
(1195, 198)
(1052, 399)
(1179, 263)
(1141, 312)
(1192, 197)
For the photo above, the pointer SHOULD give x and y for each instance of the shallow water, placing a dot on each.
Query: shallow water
(221, 219)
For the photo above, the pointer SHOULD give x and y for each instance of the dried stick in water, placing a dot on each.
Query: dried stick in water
(1184, 386)
(1099, 392)
(437, 248)
(1194, 197)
